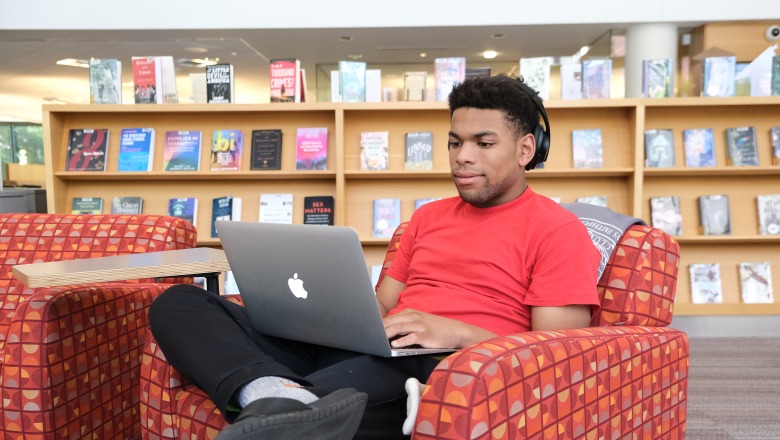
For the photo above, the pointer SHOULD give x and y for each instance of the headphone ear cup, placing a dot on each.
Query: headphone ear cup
(542, 147)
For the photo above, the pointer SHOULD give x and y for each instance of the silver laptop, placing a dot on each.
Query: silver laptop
(308, 283)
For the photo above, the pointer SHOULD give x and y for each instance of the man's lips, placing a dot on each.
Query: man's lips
(465, 177)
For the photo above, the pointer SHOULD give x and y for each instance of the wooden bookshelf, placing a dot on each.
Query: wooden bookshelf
(624, 179)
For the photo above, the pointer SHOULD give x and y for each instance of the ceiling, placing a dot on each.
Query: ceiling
(29, 75)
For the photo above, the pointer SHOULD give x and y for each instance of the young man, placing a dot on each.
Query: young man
(499, 259)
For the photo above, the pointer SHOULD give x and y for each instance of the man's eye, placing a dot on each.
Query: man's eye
(484, 144)
(453, 144)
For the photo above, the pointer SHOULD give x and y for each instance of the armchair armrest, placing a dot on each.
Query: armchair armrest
(71, 361)
(580, 383)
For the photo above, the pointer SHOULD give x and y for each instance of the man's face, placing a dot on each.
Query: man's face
(486, 161)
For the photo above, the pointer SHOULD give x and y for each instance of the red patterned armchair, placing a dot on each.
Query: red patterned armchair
(625, 377)
(69, 356)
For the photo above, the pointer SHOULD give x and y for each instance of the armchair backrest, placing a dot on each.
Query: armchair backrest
(31, 238)
(637, 286)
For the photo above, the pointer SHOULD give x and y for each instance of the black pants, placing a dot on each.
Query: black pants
(209, 341)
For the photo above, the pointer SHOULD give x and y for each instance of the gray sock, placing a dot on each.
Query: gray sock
(272, 386)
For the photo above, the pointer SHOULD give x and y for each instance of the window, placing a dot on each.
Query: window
(21, 143)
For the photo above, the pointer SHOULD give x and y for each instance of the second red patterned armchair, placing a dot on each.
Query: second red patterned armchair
(625, 377)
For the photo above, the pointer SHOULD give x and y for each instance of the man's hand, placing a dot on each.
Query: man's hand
(430, 331)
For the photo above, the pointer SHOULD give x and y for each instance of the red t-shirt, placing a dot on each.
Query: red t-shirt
(488, 266)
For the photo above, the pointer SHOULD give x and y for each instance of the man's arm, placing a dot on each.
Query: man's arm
(387, 295)
(560, 317)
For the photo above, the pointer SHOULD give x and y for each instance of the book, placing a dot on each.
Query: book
(185, 208)
(223, 208)
(276, 208)
(227, 147)
(127, 205)
(105, 81)
(742, 149)
(373, 85)
(659, 148)
(147, 78)
(587, 148)
(475, 72)
(318, 210)
(775, 76)
(596, 78)
(775, 134)
(714, 214)
(657, 76)
(718, 76)
(593, 200)
(198, 84)
(536, 74)
(304, 87)
(415, 86)
(285, 80)
(447, 72)
(182, 150)
(755, 282)
(705, 283)
(373, 150)
(698, 144)
(136, 149)
(425, 201)
(665, 214)
(418, 154)
(571, 81)
(220, 88)
(311, 148)
(170, 94)
(387, 217)
(87, 205)
(266, 153)
(87, 149)
(768, 214)
(352, 81)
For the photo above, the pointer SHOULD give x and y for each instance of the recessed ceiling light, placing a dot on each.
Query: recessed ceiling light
(497, 36)
(73, 62)
(423, 54)
(584, 51)
(196, 49)
(355, 56)
(345, 38)
(490, 54)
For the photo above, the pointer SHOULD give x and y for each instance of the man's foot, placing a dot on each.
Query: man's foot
(333, 417)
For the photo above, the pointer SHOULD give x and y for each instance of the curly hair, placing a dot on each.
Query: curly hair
(500, 92)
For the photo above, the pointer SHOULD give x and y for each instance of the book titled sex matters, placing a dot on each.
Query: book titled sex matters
(266, 152)
(318, 210)
(87, 149)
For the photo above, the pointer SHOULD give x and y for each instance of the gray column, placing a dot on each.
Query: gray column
(645, 42)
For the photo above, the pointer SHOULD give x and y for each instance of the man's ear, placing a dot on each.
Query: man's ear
(526, 148)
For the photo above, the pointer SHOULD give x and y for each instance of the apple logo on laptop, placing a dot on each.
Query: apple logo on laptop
(296, 287)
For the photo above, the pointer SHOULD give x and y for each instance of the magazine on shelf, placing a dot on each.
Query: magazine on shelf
(699, 146)
(185, 208)
(768, 214)
(536, 74)
(105, 81)
(755, 282)
(665, 214)
(318, 210)
(374, 150)
(276, 208)
(311, 148)
(657, 78)
(387, 217)
(418, 153)
(87, 205)
(705, 283)
(659, 148)
(352, 79)
(220, 88)
(285, 80)
(447, 73)
(127, 205)
(136, 149)
(718, 76)
(587, 148)
(181, 150)
(742, 149)
(266, 151)
(224, 208)
(714, 214)
(227, 147)
(87, 149)
(596, 78)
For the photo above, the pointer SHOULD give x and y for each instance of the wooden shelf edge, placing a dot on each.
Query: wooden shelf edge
(727, 239)
(714, 172)
(196, 175)
(688, 309)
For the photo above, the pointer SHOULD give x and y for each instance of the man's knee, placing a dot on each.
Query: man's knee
(172, 299)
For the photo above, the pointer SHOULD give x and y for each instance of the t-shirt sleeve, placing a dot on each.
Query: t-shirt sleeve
(565, 269)
(399, 268)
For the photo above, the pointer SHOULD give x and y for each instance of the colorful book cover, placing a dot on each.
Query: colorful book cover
(571, 81)
(718, 76)
(665, 214)
(775, 134)
(182, 150)
(387, 217)
(352, 78)
(657, 78)
(87, 205)
(184, 207)
(105, 81)
(219, 84)
(318, 210)
(447, 72)
(419, 151)
(596, 78)
(536, 74)
(227, 147)
(699, 147)
(147, 78)
(374, 150)
(755, 283)
(285, 80)
(127, 205)
(705, 283)
(768, 214)
(587, 148)
(742, 147)
(715, 214)
(136, 149)
(659, 148)
(276, 208)
(221, 209)
(87, 149)
(311, 146)
(266, 151)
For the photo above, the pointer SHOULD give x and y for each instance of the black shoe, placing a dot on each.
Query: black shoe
(333, 417)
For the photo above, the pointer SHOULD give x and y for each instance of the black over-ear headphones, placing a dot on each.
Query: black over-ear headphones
(541, 134)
